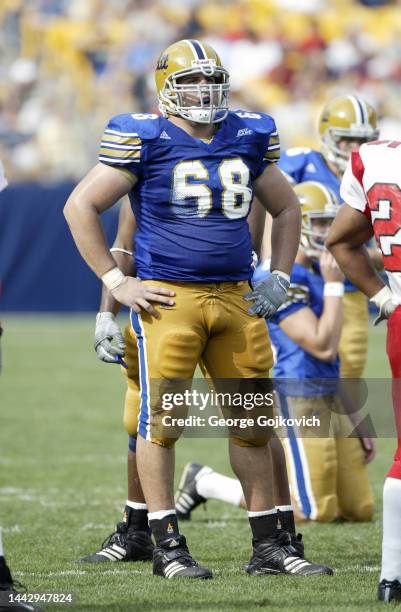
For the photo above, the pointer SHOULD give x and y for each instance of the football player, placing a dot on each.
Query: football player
(328, 476)
(371, 190)
(191, 175)
(131, 539)
(345, 122)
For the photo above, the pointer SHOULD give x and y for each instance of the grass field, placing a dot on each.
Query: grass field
(62, 488)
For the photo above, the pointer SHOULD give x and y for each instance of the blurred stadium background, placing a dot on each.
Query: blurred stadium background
(68, 65)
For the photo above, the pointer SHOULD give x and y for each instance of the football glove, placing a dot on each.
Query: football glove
(108, 341)
(268, 296)
(383, 299)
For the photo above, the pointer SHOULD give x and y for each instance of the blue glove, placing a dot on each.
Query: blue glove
(268, 296)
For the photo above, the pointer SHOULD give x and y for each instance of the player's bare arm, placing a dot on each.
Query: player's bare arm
(122, 252)
(348, 234)
(98, 191)
(319, 336)
(108, 340)
(256, 221)
(278, 198)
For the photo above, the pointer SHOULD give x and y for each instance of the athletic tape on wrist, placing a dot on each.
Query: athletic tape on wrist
(333, 289)
(113, 278)
(282, 274)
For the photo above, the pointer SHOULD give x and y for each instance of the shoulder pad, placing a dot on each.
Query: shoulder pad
(257, 122)
(142, 125)
(300, 152)
(294, 160)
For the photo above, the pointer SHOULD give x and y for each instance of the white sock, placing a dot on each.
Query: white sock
(212, 485)
(284, 508)
(1, 545)
(160, 514)
(391, 547)
(261, 513)
(136, 505)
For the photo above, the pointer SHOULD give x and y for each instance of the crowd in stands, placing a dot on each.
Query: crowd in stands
(68, 65)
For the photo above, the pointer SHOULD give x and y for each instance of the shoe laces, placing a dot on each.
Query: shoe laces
(284, 540)
(185, 558)
(117, 535)
(179, 553)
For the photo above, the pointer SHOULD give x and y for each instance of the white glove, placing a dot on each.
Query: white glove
(384, 300)
(108, 341)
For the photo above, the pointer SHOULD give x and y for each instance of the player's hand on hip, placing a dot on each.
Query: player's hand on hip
(137, 295)
(268, 296)
(330, 269)
(108, 341)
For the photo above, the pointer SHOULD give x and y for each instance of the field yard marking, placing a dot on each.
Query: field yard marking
(12, 529)
(358, 568)
(96, 526)
(127, 572)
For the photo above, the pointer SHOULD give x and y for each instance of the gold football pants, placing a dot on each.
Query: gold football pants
(209, 322)
(328, 477)
(353, 347)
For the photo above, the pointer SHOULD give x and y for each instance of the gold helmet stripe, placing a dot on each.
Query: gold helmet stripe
(361, 111)
(365, 111)
(197, 49)
(198, 42)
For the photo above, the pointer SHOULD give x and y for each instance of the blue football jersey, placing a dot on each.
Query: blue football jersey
(309, 165)
(292, 362)
(192, 198)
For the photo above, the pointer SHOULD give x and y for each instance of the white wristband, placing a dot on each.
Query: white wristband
(282, 274)
(382, 296)
(333, 289)
(113, 278)
(118, 250)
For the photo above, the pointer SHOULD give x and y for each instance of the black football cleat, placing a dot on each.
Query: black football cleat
(296, 542)
(187, 498)
(8, 592)
(125, 544)
(277, 555)
(389, 590)
(173, 560)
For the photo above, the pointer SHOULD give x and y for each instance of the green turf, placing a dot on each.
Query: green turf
(62, 487)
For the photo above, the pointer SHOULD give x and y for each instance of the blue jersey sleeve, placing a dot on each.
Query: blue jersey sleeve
(122, 145)
(298, 295)
(262, 131)
(292, 163)
(270, 149)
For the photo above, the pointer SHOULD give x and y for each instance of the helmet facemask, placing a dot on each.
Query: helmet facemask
(313, 240)
(198, 102)
(332, 137)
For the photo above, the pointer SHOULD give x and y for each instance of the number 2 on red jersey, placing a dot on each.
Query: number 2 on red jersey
(385, 207)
